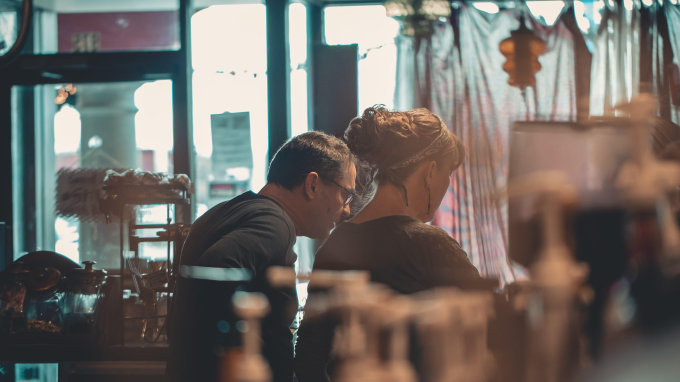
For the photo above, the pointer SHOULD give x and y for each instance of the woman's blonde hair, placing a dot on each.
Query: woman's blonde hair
(390, 144)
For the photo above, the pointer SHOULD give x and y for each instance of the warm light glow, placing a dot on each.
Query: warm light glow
(63, 94)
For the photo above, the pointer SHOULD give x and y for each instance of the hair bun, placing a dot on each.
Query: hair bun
(369, 137)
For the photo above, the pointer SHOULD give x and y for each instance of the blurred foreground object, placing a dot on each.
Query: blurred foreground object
(251, 308)
(557, 283)
(451, 329)
(654, 237)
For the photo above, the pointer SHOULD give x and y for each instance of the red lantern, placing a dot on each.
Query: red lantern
(521, 51)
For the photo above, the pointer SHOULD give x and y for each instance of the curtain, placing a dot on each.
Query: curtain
(672, 15)
(635, 50)
(457, 73)
(615, 74)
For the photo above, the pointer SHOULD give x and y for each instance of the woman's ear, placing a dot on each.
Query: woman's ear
(432, 166)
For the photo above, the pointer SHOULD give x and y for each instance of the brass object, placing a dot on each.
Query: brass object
(521, 50)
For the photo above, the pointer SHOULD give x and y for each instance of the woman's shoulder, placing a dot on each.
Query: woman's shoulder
(429, 234)
(443, 259)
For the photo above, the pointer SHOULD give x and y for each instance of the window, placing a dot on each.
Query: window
(297, 38)
(374, 32)
(229, 54)
(102, 126)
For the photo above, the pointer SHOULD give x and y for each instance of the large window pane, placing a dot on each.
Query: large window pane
(229, 54)
(297, 39)
(374, 32)
(101, 126)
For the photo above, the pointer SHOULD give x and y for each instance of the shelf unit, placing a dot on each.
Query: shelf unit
(118, 199)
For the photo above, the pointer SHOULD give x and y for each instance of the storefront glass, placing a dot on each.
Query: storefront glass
(374, 32)
(102, 126)
(229, 55)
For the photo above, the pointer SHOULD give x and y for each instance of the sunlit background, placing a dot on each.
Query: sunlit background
(229, 57)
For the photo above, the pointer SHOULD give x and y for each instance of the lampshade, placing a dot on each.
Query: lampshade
(521, 51)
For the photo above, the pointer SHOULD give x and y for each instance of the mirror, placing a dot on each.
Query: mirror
(15, 24)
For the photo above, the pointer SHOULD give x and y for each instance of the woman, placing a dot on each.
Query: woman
(411, 155)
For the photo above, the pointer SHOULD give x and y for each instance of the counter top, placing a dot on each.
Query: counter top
(62, 353)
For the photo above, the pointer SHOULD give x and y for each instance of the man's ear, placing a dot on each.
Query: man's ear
(311, 185)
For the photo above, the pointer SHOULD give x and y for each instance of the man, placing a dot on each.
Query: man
(309, 186)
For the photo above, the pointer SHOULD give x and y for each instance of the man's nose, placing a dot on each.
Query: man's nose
(345, 210)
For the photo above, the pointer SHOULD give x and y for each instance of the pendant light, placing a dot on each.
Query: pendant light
(521, 51)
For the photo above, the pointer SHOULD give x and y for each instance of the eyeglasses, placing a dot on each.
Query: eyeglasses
(350, 193)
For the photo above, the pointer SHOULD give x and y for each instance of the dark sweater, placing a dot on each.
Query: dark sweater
(251, 232)
(399, 251)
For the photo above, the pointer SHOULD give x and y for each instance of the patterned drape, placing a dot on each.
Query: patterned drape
(672, 13)
(635, 49)
(457, 73)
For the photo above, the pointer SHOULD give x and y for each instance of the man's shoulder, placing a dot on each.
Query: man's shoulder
(250, 202)
(257, 207)
(244, 208)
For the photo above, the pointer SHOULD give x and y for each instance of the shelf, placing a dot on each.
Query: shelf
(144, 187)
(137, 239)
(147, 200)
(137, 194)
(172, 226)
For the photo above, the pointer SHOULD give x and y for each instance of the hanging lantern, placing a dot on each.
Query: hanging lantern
(417, 16)
(521, 51)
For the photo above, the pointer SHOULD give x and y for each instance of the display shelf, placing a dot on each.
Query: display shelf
(117, 201)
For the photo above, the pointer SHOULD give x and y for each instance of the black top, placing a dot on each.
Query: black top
(399, 251)
(251, 232)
